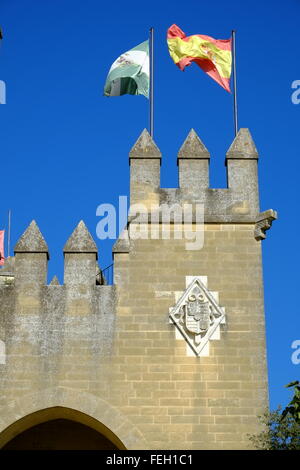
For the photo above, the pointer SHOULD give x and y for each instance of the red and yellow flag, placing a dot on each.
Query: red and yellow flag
(212, 55)
(1, 247)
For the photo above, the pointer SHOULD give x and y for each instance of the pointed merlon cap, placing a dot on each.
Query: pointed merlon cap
(242, 147)
(122, 245)
(81, 241)
(193, 148)
(145, 147)
(54, 282)
(32, 241)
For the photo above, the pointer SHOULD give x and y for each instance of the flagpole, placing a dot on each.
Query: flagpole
(235, 108)
(8, 233)
(151, 38)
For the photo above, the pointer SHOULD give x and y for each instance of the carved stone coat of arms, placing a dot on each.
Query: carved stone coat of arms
(197, 315)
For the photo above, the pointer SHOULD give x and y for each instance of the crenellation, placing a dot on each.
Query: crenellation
(31, 259)
(193, 165)
(241, 164)
(145, 161)
(110, 351)
(238, 203)
(80, 256)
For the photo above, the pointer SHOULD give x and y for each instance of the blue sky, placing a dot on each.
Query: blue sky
(64, 147)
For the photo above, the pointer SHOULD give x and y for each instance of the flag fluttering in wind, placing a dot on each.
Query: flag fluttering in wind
(130, 73)
(1, 247)
(212, 55)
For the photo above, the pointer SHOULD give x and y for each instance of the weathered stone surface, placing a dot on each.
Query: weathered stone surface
(109, 352)
(9, 266)
(144, 160)
(242, 146)
(263, 223)
(239, 202)
(32, 241)
(122, 245)
(241, 162)
(193, 147)
(81, 241)
(145, 147)
(193, 163)
(54, 282)
(224, 205)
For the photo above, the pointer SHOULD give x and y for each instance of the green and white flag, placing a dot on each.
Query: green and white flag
(130, 73)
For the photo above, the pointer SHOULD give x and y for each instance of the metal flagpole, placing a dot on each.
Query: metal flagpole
(8, 233)
(235, 109)
(151, 80)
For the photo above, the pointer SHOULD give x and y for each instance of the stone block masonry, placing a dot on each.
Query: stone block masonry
(108, 355)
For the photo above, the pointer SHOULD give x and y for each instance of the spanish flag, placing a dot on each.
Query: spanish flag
(212, 55)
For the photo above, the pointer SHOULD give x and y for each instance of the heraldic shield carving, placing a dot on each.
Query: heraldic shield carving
(197, 315)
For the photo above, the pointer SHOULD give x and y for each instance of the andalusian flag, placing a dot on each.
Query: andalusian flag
(212, 55)
(130, 73)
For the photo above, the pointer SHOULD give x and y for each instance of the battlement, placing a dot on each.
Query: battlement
(23, 278)
(238, 203)
(173, 354)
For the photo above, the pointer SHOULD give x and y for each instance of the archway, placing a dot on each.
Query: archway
(59, 428)
(60, 434)
(65, 403)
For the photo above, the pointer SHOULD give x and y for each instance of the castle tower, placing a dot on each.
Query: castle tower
(173, 355)
(196, 388)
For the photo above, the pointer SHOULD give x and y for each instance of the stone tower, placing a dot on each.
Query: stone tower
(172, 355)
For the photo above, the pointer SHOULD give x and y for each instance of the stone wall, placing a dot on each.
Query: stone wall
(111, 353)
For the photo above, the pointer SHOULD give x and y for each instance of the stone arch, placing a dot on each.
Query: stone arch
(59, 419)
(60, 402)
